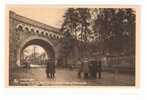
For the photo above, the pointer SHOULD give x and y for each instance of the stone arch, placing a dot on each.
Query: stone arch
(19, 27)
(46, 34)
(33, 30)
(37, 31)
(26, 28)
(42, 33)
(57, 37)
(36, 40)
(54, 36)
(50, 35)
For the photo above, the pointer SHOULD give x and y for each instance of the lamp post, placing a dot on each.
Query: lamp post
(34, 57)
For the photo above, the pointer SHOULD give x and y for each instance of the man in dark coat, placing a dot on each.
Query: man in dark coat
(94, 69)
(52, 69)
(48, 70)
(99, 69)
(85, 68)
(80, 69)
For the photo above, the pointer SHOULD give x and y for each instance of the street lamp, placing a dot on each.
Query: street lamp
(34, 54)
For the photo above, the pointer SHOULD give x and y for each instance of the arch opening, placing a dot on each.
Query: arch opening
(36, 54)
(45, 45)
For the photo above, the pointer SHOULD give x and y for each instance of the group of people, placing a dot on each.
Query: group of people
(90, 69)
(50, 69)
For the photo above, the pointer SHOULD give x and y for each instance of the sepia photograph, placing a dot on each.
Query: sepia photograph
(72, 45)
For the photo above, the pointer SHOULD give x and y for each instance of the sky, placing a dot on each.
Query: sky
(47, 14)
(50, 15)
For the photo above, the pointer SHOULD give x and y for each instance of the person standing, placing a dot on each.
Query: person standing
(48, 70)
(94, 69)
(90, 69)
(80, 69)
(99, 69)
(85, 68)
(28, 64)
(52, 69)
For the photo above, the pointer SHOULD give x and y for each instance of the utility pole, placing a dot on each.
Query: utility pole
(34, 58)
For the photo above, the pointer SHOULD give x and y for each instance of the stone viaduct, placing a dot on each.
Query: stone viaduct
(24, 32)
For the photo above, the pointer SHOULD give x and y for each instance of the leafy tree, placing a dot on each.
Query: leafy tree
(114, 27)
(67, 47)
(99, 29)
(77, 22)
